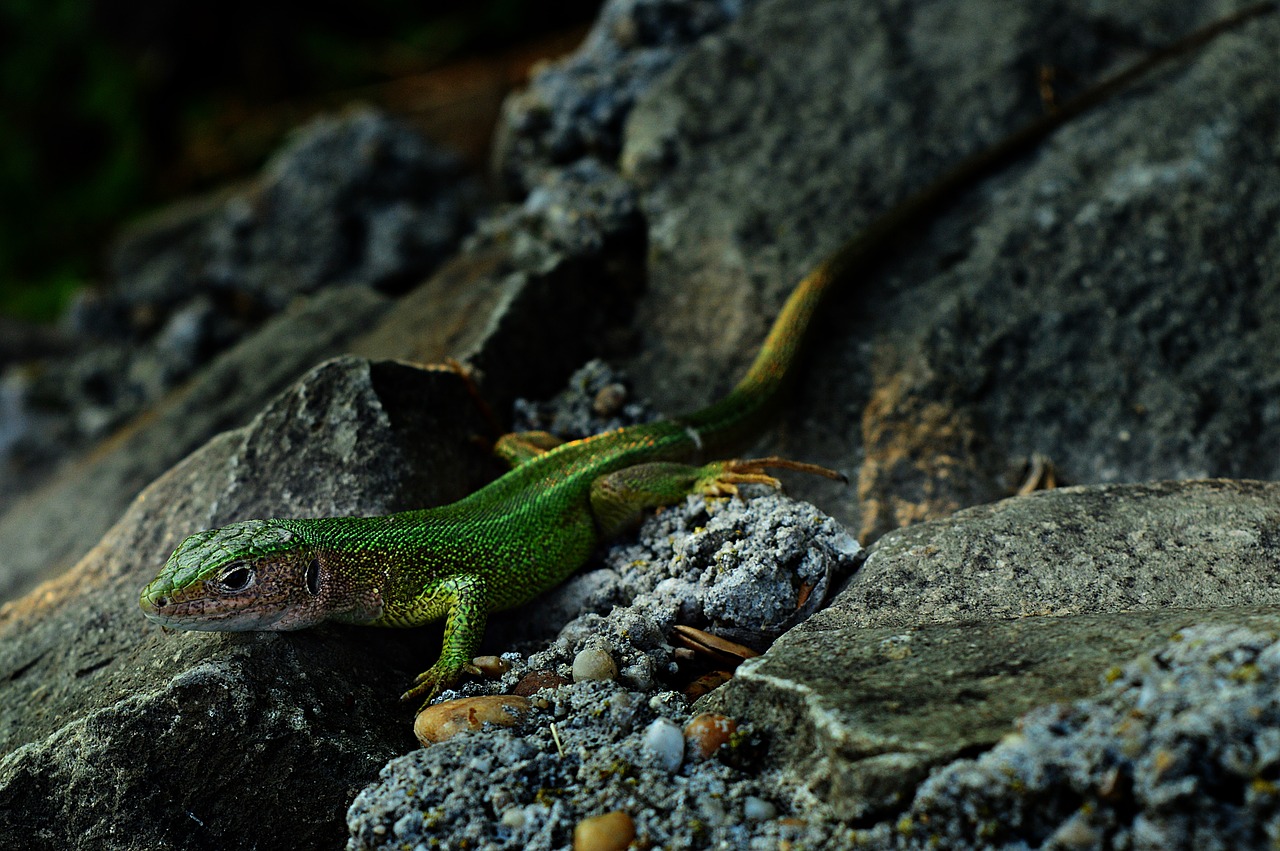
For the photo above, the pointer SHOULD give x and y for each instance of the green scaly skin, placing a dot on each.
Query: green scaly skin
(526, 532)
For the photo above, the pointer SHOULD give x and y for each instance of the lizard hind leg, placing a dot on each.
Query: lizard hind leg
(721, 478)
(619, 499)
(517, 447)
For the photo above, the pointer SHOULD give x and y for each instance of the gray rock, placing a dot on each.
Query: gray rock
(1106, 302)
(1178, 750)
(575, 108)
(351, 198)
(954, 628)
(48, 530)
(1106, 548)
(357, 199)
(536, 292)
(116, 735)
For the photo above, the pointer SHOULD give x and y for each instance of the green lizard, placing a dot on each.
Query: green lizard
(528, 530)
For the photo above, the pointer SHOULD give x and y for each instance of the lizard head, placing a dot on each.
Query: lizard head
(254, 575)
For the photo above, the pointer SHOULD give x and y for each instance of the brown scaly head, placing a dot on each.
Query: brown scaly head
(253, 575)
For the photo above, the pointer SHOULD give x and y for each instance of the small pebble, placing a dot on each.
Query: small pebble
(609, 400)
(594, 664)
(1076, 832)
(609, 832)
(446, 720)
(535, 681)
(705, 733)
(513, 818)
(664, 744)
(706, 683)
(491, 666)
(757, 809)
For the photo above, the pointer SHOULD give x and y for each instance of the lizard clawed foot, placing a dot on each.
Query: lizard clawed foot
(434, 680)
(723, 477)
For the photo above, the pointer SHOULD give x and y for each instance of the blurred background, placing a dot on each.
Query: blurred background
(109, 109)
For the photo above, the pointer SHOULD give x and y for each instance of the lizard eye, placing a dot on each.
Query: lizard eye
(236, 579)
(313, 577)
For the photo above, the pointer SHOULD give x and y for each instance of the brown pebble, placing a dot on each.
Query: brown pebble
(446, 720)
(609, 400)
(610, 832)
(705, 733)
(491, 666)
(537, 680)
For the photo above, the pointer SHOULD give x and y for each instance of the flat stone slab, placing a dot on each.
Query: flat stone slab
(1198, 544)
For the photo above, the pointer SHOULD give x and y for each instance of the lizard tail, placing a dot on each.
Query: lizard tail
(738, 414)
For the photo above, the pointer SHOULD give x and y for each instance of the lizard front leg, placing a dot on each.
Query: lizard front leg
(467, 598)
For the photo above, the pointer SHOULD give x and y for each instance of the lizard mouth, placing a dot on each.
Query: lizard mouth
(193, 609)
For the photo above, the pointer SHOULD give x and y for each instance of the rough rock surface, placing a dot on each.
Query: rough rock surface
(1109, 548)
(576, 108)
(1179, 750)
(537, 291)
(356, 199)
(1110, 302)
(951, 629)
(116, 735)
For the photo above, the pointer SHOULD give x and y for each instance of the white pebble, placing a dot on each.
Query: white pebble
(757, 809)
(664, 744)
